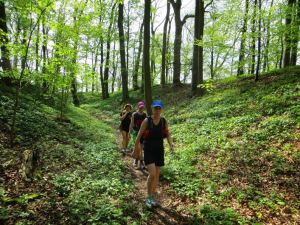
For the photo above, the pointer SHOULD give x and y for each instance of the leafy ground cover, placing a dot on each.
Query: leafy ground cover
(238, 158)
(81, 178)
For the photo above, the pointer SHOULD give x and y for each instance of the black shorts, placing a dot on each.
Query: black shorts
(124, 127)
(154, 153)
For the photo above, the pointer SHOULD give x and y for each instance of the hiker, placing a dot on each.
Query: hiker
(135, 125)
(154, 128)
(125, 117)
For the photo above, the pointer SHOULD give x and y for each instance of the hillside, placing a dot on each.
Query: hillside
(237, 148)
(237, 156)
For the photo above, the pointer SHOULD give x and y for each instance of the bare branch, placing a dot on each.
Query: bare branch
(208, 4)
(186, 17)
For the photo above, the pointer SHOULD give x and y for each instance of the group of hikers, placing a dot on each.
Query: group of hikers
(148, 133)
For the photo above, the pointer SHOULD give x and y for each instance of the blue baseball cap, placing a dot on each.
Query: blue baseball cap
(157, 103)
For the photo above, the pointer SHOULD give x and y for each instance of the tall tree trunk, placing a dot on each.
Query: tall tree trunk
(137, 62)
(44, 49)
(106, 70)
(101, 67)
(128, 36)
(243, 40)
(24, 43)
(168, 51)
(6, 65)
(16, 41)
(178, 40)
(164, 48)
(177, 44)
(115, 63)
(200, 78)
(259, 42)
(76, 101)
(266, 52)
(196, 48)
(146, 56)
(295, 36)
(288, 35)
(253, 31)
(282, 52)
(37, 42)
(124, 72)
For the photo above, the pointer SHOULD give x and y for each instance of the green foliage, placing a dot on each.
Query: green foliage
(213, 216)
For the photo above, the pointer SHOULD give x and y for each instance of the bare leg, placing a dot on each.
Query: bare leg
(151, 178)
(124, 136)
(127, 139)
(156, 180)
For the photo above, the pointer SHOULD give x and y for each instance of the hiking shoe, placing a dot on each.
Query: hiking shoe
(148, 202)
(151, 201)
(135, 163)
(154, 201)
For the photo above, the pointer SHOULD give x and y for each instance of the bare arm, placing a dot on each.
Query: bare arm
(131, 123)
(141, 131)
(123, 116)
(169, 138)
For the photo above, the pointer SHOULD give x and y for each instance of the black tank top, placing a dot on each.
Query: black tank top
(138, 118)
(154, 132)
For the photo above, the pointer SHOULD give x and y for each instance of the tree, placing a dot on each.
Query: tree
(137, 61)
(266, 52)
(197, 48)
(253, 31)
(106, 70)
(164, 48)
(288, 34)
(124, 72)
(178, 39)
(259, 42)
(295, 34)
(5, 64)
(241, 62)
(146, 56)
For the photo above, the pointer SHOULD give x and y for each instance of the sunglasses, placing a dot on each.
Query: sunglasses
(157, 107)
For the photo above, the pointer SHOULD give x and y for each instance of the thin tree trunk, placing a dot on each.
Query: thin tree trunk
(288, 35)
(295, 36)
(164, 48)
(196, 48)
(178, 40)
(253, 31)
(137, 62)
(5, 64)
(259, 42)
(37, 48)
(200, 78)
(266, 53)
(76, 101)
(168, 51)
(128, 36)
(16, 42)
(44, 49)
(124, 72)
(115, 63)
(146, 56)
(106, 70)
(243, 40)
(101, 67)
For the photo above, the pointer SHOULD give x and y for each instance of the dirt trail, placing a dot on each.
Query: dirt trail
(168, 210)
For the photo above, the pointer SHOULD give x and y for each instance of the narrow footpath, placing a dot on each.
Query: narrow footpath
(170, 209)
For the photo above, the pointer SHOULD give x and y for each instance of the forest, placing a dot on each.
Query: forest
(227, 72)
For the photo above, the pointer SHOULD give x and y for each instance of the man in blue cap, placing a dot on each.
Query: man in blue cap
(154, 129)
